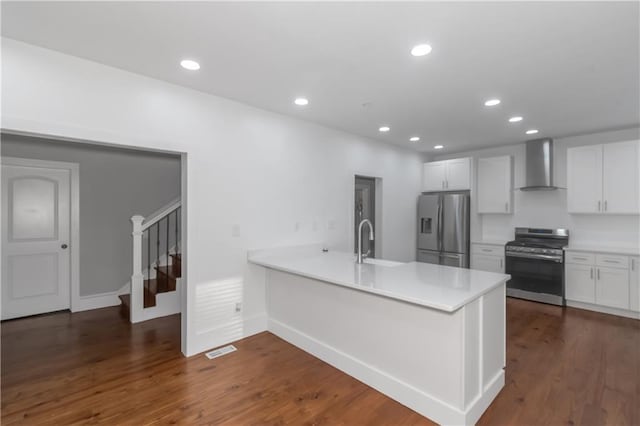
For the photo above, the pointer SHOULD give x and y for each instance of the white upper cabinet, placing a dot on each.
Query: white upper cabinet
(434, 176)
(620, 178)
(458, 172)
(495, 185)
(584, 179)
(447, 175)
(604, 178)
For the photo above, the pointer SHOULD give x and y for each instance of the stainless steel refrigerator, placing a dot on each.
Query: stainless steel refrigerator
(443, 228)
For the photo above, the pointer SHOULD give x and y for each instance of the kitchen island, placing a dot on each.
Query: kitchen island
(431, 337)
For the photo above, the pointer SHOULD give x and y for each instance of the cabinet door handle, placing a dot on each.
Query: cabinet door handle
(598, 273)
(442, 184)
(605, 205)
(446, 183)
(506, 207)
(599, 202)
(501, 263)
(591, 270)
(633, 264)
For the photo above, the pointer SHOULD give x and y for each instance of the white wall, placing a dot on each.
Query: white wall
(115, 184)
(548, 209)
(246, 168)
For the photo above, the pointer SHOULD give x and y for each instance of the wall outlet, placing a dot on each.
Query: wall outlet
(239, 307)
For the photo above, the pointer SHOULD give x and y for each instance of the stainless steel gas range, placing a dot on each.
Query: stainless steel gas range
(535, 260)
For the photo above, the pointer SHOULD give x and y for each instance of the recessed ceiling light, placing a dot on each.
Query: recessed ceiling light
(414, 139)
(301, 101)
(438, 147)
(531, 132)
(515, 119)
(384, 129)
(492, 102)
(421, 50)
(190, 65)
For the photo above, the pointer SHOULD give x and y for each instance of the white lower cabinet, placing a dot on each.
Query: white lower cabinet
(487, 263)
(580, 283)
(612, 286)
(634, 284)
(487, 257)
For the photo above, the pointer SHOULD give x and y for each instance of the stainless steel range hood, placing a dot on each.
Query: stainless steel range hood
(539, 165)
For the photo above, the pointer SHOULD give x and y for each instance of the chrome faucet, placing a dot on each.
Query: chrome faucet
(367, 221)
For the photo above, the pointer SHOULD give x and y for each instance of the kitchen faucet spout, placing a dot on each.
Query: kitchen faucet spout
(362, 223)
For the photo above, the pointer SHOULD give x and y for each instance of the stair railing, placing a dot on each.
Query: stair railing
(156, 227)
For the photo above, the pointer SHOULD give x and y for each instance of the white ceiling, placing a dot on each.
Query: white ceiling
(568, 68)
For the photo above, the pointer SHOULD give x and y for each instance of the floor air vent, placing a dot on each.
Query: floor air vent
(221, 351)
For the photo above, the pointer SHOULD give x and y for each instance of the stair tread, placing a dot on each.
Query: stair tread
(168, 271)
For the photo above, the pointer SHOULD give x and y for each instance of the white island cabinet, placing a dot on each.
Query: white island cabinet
(431, 337)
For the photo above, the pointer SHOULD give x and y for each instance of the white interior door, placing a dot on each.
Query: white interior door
(36, 208)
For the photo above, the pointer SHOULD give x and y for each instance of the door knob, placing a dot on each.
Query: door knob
(64, 246)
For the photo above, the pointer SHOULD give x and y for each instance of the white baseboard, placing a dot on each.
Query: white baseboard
(604, 309)
(227, 333)
(96, 301)
(394, 388)
(480, 405)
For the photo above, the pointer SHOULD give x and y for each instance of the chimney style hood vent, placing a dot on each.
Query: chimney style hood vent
(539, 166)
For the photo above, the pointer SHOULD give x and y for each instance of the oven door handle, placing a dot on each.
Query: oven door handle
(536, 257)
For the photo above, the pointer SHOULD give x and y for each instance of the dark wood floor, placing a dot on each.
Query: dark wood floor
(563, 367)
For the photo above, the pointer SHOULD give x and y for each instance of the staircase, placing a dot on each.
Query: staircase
(157, 265)
(165, 281)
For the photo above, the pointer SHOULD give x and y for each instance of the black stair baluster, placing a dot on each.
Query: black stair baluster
(148, 231)
(176, 232)
(167, 259)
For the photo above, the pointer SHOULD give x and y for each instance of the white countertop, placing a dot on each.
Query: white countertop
(440, 287)
(595, 248)
(490, 242)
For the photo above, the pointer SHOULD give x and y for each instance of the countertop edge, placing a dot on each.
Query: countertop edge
(609, 250)
(419, 302)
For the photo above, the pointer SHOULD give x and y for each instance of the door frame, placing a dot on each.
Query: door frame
(74, 217)
(378, 228)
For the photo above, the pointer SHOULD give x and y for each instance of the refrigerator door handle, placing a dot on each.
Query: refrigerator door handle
(439, 236)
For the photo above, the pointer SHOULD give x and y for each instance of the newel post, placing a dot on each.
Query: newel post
(137, 278)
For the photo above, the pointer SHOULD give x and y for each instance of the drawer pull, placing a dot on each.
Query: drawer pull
(611, 261)
(487, 250)
(579, 258)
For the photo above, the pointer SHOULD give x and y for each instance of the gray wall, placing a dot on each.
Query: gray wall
(115, 184)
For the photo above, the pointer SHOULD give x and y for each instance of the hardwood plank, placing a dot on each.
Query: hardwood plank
(564, 366)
